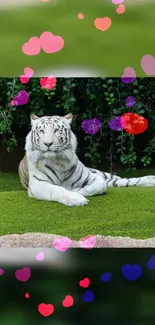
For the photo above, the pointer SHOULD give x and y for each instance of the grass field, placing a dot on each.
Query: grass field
(130, 36)
(120, 212)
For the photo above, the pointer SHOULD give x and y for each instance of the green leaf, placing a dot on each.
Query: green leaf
(87, 155)
(110, 81)
(135, 91)
(104, 86)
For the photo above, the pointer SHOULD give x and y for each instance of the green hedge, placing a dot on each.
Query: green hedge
(86, 98)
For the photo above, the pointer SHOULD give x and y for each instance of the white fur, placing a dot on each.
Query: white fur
(60, 162)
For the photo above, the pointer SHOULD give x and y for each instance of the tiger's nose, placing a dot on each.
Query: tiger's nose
(48, 144)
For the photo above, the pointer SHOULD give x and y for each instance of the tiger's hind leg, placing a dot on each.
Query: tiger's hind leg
(96, 186)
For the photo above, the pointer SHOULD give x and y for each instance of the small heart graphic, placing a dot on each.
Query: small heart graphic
(148, 64)
(27, 295)
(88, 242)
(91, 126)
(131, 272)
(51, 43)
(84, 283)
(32, 47)
(12, 103)
(28, 74)
(68, 301)
(129, 75)
(1, 272)
(106, 277)
(117, 2)
(89, 296)
(48, 82)
(46, 309)
(40, 256)
(151, 263)
(80, 16)
(21, 98)
(133, 123)
(23, 79)
(23, 274)
(62, 244)
(102, 23)
(120, 10)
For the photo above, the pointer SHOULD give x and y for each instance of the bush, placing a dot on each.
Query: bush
(86, 98)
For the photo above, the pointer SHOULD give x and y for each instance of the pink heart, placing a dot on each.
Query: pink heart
(62, 244)
(51, 43)
(40, 256)
(32, 47)
(117, 2)
(1, 271)
(88, 242)
(129, 73)
(120, 10)
(148, 64)
(28, 72)
(23, 274)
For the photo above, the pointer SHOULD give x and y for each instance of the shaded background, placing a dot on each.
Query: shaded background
(118, 301)
(87, 51)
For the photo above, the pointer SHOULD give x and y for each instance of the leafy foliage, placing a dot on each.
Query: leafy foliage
(86, 98)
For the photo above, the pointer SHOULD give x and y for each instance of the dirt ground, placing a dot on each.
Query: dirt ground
(46, 240)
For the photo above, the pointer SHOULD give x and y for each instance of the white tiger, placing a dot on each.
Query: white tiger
(51, 170)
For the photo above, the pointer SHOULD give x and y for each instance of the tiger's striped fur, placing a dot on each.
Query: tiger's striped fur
(51, 170)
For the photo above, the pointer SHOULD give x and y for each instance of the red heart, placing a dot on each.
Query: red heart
(46, 309)
(48, 83)
(84, 283)
(27, 295)
(68, 301)
(23, 79)
(133, 123)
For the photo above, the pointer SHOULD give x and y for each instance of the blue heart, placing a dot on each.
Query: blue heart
(89, 296)
(151, 263)
(106, 277)
(131, 272)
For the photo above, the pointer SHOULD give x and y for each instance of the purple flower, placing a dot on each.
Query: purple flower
(91, 126)
(127, 80)
(130, 101)
(115, 124)
(21, 98)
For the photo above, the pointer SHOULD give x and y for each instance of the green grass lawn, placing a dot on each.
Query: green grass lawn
(130, 36)
(120, 212)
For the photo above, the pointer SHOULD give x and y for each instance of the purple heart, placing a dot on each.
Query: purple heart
(131, 272)
(21, 98)
(151, 263)
(91, 126)
(130, 101)
(23, 274)
(115, 124)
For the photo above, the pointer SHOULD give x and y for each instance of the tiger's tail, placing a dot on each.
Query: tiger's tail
(23, 172)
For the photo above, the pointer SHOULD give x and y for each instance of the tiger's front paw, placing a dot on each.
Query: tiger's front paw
(73, 199)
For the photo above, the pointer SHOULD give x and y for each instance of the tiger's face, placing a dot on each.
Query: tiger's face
(51, 135)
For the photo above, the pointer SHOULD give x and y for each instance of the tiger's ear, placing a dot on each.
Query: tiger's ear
(33, 119)
(69, 117)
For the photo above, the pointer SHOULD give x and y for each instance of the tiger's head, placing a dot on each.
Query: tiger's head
(50, 136)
